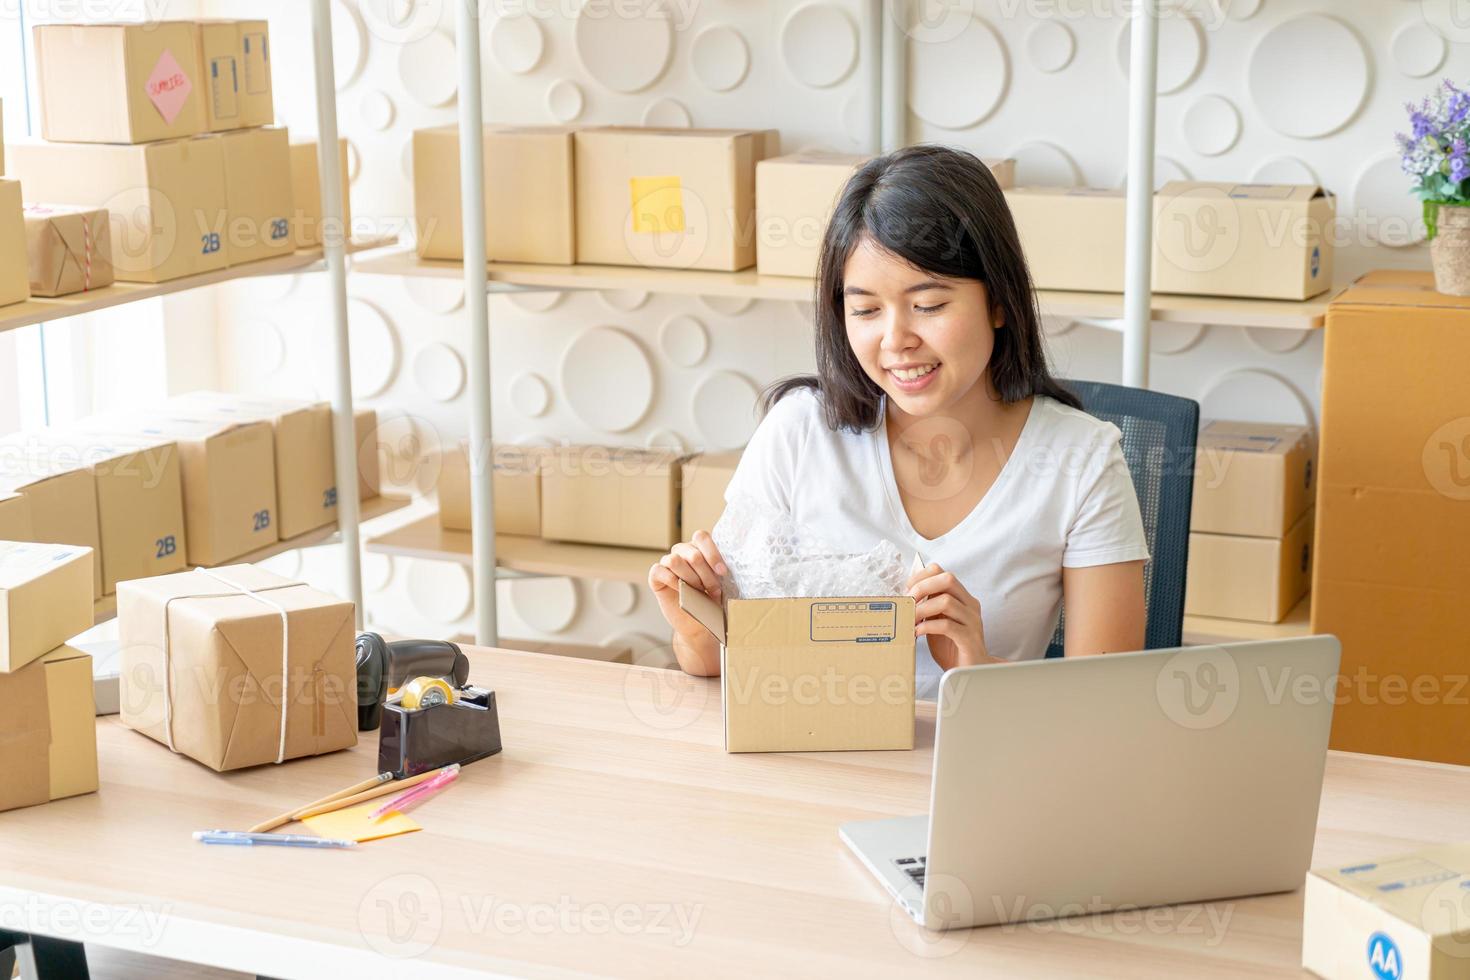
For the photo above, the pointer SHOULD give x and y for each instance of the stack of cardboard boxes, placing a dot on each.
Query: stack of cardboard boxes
(1250, 541)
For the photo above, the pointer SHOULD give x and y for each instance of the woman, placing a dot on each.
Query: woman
(934, 422)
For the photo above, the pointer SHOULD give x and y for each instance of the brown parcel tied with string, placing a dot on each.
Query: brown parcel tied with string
(69, 248)
(202, 659)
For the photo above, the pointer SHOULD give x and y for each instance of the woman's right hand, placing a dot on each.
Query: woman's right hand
(696, 562)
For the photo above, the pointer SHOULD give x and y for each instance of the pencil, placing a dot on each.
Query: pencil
(290, 815)
(371, 794)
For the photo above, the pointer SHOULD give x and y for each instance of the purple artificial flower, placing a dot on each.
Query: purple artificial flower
(1421, 125)
(1459, 169)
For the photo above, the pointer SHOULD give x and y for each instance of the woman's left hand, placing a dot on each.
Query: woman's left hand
(949, 616)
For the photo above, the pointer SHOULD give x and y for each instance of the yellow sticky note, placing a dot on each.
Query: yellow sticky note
(658, 204)
(356, 823)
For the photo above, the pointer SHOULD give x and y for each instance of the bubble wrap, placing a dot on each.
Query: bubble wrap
(769, 556)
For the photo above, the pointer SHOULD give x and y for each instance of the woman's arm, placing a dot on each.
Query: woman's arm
(1105, 612)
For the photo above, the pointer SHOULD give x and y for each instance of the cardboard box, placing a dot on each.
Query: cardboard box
(600, 495)
(1003, 169)
(69, 249)
(1072, 236)
(794, 199)
(306, 191)
(515, 487)
(365, 428)
(217, 634)
(1403, 917)
(1271, 241)
(14, 278)
(813, 675)
(1392, 577)
(529, 213)
(258, 201)
(1252, 478)
(140, 509)
(1257, 579)
(165, 201)
(234, 60)
(15, 517)
(48, 730)
(669, 198)
(705, 478)
(63, 502)
(119, 83)
(45, 599)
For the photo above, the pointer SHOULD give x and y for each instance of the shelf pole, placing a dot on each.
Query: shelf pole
(477, 320)
(1138, 251)
(334, 249)
(893, 75)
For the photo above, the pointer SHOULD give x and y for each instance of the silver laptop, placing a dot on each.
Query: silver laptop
(1087, 785)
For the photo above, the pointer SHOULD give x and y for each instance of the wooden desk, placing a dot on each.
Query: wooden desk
(611, 811)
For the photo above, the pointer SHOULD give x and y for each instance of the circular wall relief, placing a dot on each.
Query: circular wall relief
(1308, 76)
(1050, 45)
(819, 44)
(428, 69)
(624, 48)
(1242, 9)
(1256, 395)
(615, 598)
(648, 651)
(667, 114)
(546, 604)
(1417, 50)
(1284, 170)
(374, 350)
(269, 288)
(720, 57)
(439, 590)
(1385, 211)
(858, 121)
(1211, 125)
(1166, 169)
(723, 406)
(257, 348)
(516, 43)
(354, 162)
(349, 44)
(623, 300)
(1181, 50)
(435, 295)
(1274, 341)
(530, 394)
(377, 571)
(1042, 163)
(287, 564)
(1174, 338)
(606, 379)
(665, 439)
(1057, 326)
(727, 305)
(438, 371)
(974, 63)
(683, 340)
(377, 110)
(564, 100)
(405, 159)
(533, 301)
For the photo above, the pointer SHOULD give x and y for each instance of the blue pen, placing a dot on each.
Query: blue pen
(280, 840)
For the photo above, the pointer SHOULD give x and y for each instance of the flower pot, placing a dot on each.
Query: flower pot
(1449, 250)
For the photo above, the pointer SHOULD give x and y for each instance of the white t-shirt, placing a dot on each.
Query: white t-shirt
(1063, 498)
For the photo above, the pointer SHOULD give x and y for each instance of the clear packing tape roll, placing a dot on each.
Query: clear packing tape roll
(770, 556)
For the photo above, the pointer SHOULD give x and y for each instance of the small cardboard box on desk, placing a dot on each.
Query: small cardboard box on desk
(813, 675)
(69, 249)
(45, 599)
(236, 667)
(48, 730)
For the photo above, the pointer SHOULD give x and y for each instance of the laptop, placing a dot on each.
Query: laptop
(1087, 785)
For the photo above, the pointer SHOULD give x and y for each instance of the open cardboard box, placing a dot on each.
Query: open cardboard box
(812, 674)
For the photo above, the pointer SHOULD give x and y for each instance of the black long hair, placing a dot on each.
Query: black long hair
(940, 209)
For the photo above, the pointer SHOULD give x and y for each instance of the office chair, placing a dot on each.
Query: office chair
(1159, 436)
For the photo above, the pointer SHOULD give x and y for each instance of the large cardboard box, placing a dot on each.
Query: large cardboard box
(813, 675)
(306, 190)
(165, 201)
(515, 487)
(1258, 579)
(68, 248)
(602, 495)
(1402, 917)
(234, 59)
(1392, 577)
(1252, 478)
(1072, 236)
(242, 687)
(45, 598)
(14, 265)
(365, 430)
(794, 199)
(258, 201)
(672, 198)
(15, 517)
(48, 730)
(1271, 241)
(119, 83)
(705, 478)
(529, 214)
(63, 502)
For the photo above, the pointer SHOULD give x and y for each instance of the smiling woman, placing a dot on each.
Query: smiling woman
(933, 421)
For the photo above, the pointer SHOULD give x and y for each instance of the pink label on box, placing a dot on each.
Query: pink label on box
(168, 87)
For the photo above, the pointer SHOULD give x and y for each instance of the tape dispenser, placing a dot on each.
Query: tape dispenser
(417, 694)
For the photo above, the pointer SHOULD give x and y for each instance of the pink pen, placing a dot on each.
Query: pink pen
(417, 795)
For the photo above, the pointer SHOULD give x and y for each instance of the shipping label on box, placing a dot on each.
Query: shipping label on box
(1072, 236)
(813, 675)
(258, 201)
(1256, 579)
(15, 284)
(602, 495)
(703, 493)
(48, 730)
(69, 249)
(45, 599)
(1271, 241)
(307, 224)
(209, 669)
(515, 488)
(1252, 478)
(62, 498)
(235, 69)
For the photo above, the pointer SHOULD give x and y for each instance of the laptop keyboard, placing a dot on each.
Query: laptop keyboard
(913, 867)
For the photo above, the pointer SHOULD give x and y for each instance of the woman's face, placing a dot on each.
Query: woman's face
(925, 341)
